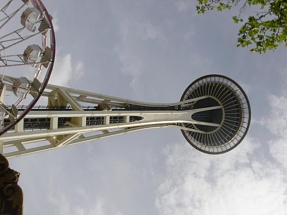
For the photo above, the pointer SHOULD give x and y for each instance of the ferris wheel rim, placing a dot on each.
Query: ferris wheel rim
(39, 5)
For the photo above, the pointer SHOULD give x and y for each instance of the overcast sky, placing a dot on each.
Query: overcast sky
(151, 50)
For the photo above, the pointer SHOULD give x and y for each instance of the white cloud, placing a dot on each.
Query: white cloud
(278, 149)
(232, 183)
(98, 207)
(276, 122)
(131, 65)
(55, 24)
(147, 30)
(63, 204)
(183, 5)
(65, 70)
(143, 30)
(62, 70)
(136, 34)
(79, 71)
(188, 35)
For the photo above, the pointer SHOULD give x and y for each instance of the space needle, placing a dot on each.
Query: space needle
(213, 112)
(213, 115)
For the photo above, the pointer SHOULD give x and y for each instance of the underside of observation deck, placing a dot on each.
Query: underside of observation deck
(234, 116)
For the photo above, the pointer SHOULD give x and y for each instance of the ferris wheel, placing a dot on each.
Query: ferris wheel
(27, 54)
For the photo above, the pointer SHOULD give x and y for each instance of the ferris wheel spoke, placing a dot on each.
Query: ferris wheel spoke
(18, 40)
(10, 16)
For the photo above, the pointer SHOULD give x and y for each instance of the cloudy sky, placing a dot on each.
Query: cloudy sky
(151, 51)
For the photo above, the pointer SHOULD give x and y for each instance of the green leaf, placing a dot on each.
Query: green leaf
(235, 19)
(265, 30)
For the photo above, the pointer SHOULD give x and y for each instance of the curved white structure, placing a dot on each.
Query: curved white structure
(27, 39)
(212, 124)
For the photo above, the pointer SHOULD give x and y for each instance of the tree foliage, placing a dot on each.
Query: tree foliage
(263, 31)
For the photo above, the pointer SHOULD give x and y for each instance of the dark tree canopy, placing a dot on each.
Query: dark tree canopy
(265, 30)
